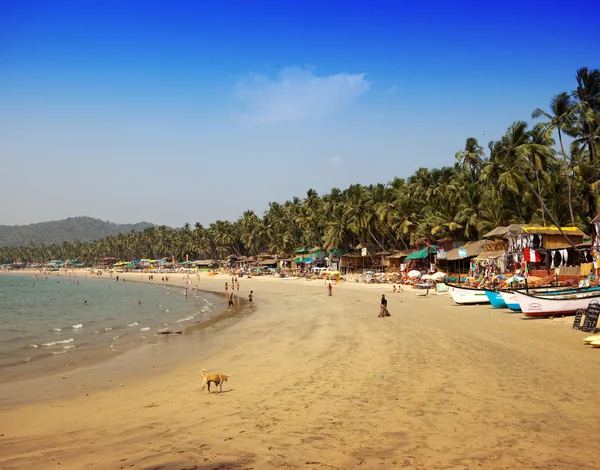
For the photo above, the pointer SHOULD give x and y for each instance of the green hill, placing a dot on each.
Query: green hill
(84, 229)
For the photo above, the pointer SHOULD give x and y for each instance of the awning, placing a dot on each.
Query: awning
(490, 254)
(469, 250)
(422, 254)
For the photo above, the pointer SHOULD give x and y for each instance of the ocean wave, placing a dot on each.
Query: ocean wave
(204, 309)
(59, 352)
(184, 319)
(56, 329)
(146, 328)
(166, 310)
(133, 324)
(33, 346)
(79, 325)
(54, 343)
(69, 346)
(116, 337)
(108, 329)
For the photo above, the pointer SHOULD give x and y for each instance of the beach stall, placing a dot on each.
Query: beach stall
(422, 259)
(396, 261)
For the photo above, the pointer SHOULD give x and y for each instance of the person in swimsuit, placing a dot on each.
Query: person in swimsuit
(250, 296)
(230, 304)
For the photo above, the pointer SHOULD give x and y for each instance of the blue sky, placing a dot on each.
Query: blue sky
(174, 112)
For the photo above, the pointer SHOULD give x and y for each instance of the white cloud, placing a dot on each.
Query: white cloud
(393, 88)
(336, 160)
(296, 93)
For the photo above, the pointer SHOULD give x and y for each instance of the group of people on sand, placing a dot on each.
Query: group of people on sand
(235, 285)
(397, 290)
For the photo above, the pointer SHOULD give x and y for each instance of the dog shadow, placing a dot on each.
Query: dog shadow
(216, 392)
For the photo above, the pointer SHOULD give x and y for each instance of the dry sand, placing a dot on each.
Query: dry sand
(320, 382)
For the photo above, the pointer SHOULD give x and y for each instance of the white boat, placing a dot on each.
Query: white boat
(467, 295)
(560, 304)
(548, 291)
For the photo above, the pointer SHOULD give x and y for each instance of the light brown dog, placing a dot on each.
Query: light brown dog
(217, 379)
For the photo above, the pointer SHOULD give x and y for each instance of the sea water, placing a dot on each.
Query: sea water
(48, 323)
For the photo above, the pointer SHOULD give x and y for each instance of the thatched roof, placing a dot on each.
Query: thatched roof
(400, 254)
(269, 262)
(472, 249)
(205, 262)
(539, 230)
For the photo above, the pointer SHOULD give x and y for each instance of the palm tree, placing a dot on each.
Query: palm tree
(538, 152)
(588, 115)
(559, 119)
(471, 158)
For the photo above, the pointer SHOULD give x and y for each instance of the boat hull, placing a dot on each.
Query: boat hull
(467, 295)
(495, 298)
(511, 301)
(567, 304)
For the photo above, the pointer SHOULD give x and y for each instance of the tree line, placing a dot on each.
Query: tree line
(531, 174)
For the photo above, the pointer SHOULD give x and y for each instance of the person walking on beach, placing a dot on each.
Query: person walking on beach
(383, 310)
(230, 304)
(250, 297)
(330, 289)
(226, 289)
(237, 286)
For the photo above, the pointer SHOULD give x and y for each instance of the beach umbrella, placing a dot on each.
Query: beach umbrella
(438, 275)
(414, 273)
(512, 279)
(426, 277)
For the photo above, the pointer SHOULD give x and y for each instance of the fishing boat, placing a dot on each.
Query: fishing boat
(510, 300)
(535, 305)
(467, 295)
(495, 298)
(549, 291)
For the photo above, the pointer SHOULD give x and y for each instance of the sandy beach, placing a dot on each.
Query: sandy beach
(320, 382)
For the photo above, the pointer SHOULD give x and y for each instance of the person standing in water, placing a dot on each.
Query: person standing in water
(226, 289)
(250, 297)
(330, 289)
(230, 304)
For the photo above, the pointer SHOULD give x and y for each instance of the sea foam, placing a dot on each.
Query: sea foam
(64, 341)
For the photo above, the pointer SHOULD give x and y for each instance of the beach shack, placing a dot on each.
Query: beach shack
(360, 261)
(545, 251)
(422, 259)
(319, 256)
(395, 261)
(465, 259)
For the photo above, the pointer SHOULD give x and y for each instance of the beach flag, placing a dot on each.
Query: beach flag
(531, 255)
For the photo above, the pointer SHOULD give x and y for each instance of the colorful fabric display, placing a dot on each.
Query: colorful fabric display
(532, 256)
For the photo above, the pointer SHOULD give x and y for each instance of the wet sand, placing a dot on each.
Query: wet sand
(321, 382)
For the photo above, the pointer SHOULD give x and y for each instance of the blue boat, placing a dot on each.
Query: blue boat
(495, 298)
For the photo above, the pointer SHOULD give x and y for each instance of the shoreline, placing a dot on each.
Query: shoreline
(322, 380)
(138, 354)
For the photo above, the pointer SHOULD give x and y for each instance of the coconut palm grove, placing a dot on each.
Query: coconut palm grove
(543, 171)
